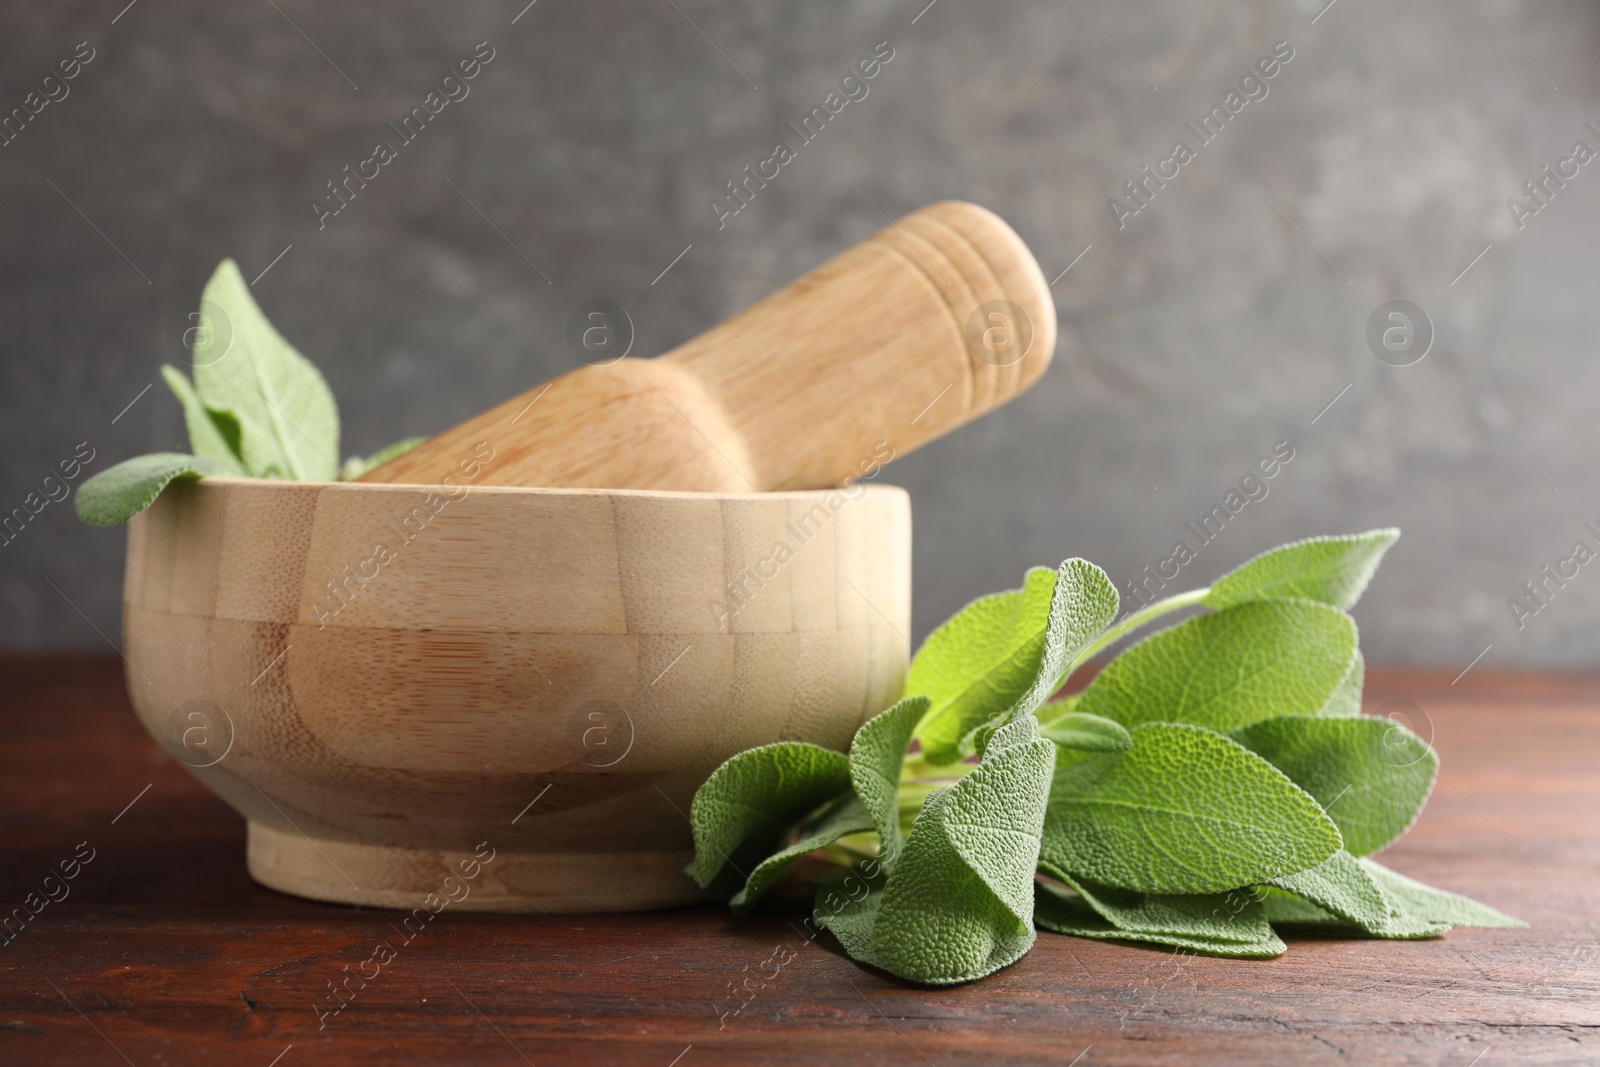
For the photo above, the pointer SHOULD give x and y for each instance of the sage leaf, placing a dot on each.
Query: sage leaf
(1003, 656)
(1370, 775)
(355, 466)
(847, 905)
(1229, 668)
(1087, 733)
(979, 662)
(1423, 902)
(1285, 908)
(1345, 701)
(876, 757)
(745, 810)
(1331, 570)
(1343, 888)
(118, 493)
(1070, 915)
(288, 421)
(1055, 709)
(846, 816)
(1184, 810)
(1082, 604)
(958, 903)
(1236, 915)
(212, 434)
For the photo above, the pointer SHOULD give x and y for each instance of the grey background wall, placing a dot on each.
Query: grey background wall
(1220, 320)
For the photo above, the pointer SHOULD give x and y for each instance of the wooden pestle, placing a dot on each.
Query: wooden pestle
(914, 332)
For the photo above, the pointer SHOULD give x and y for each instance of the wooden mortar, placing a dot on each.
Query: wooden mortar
(390, 682)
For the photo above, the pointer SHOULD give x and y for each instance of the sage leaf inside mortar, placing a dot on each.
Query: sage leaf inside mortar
(255, 408)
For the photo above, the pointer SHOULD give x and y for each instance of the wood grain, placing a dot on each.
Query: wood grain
(174, 955)
(910, 334)
(381, 678)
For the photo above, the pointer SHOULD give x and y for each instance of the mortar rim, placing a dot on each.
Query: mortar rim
(229, 480)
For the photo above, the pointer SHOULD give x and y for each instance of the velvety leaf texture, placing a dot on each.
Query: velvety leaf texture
(1184, 810)
(1071, 915)
(1371, 776)
(1082, 604)
(1236, 915)
(1230, 668)
(117, 494)
(994, 816)
(1346, 699)
(1087, 733)
(958, 901)
(847, 816)
(1426, 903)
(876, 756)
(1341, 887)
(1055, 709)
(289, 424)
(742, 813)
(977, 665)
(938, 922)
(1285, 908)
(1332, 570)
(1344, 888)
(847, 905)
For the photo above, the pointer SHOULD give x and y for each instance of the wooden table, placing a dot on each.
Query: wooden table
(166, 952)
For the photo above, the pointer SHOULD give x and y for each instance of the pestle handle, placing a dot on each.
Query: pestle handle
(918, 330)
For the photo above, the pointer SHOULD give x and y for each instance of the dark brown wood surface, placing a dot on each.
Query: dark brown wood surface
(165, 952)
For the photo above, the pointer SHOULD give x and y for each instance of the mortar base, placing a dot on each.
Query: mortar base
(387, 876)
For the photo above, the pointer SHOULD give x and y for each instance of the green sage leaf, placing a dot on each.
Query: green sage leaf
(1229, 668)
(1285, 908)
(288, 421)
(1004, 656)
(981, 660)
(847, 905)
(1423, 902)
(1236, 915)
(1184, 810)
(1343, 888)
(876, 756)
(846, 816)
(1071, 915)
(213, 435)
(1087, 733)
(1331, 570)
(1082, 604)
(958, 903)
(1055, 709)
(1370, 775)
(1345, 702)
(745, 810)
(117, 494)
(354, 467)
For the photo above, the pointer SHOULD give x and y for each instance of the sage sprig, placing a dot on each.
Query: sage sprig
(256, 408)
(1215, 780)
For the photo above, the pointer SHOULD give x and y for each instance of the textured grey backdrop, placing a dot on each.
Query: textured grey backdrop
(1220, 320)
